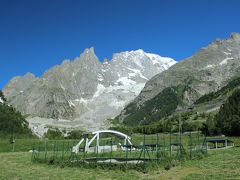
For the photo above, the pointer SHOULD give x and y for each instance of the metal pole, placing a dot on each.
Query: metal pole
(144, 147)
(45, 150)
(56, 149)
(190, 145)
(111, 152)
(198, 140)
(170, 144)
(157, 148)
(62, 150)
(38, 148)
(68, 146)
(126, 151)
(33, 151)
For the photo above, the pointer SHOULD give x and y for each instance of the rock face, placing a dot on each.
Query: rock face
(206, 71)
(85, 91)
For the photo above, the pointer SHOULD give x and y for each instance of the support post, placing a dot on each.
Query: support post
(170, 144)
(33, 151)
(111, 152)
(190, 145)
(62, 151)
(97, 147)
(144, 153)
(45, 150)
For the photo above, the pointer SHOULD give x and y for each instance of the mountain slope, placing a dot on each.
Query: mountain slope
(85, 90)
(206, 71)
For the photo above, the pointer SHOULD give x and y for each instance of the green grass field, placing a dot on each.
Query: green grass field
(219, 164)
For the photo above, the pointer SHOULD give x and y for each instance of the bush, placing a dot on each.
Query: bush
(54, 134)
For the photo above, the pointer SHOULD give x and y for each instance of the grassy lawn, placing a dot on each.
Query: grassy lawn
(219, 164)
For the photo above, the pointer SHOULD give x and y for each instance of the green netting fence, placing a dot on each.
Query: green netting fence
(145, 148)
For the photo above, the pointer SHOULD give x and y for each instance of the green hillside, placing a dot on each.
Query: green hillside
(156, 108)
(167, 108)
(225, 91)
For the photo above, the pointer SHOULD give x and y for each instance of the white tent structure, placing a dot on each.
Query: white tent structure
(99, 148)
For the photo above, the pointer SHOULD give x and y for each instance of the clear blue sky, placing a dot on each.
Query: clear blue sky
(38, 34)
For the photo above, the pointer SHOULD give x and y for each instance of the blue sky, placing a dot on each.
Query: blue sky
(38, 34)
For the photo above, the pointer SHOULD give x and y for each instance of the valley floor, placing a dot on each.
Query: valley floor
(219, 164)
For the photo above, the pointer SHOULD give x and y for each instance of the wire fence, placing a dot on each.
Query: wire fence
(144, 148)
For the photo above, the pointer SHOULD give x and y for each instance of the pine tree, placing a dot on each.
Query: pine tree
(2, 96)
(228, 118)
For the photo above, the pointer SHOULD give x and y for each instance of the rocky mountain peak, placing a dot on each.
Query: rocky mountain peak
(206, 71)
(89, 51)
(88, 57)
(29, 75)
(85, 91)
(235, 36)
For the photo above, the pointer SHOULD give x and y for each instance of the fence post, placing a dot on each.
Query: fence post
(190, 145)
(170, 144)
(38, 148)
(164, 143)
(198, 140)
(144, 147)
(62, 151)
(126, 151)
(111, 152)
(33, 151)
(45, 151)
(157, 147)
(68, 146)
(56, 148)
(54, 144)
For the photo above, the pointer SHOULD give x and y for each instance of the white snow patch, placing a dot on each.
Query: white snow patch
(82, 100)
(106, 62)
(126, 81)
(71, 104)
(62, 87)
(209, 66)
(164, 62)
(225, 61)
(1, 101)
(117, 104)
(100, 90)
(138, 62)
(100, 77)
(137, 88)
(227, 53)
(135, 72)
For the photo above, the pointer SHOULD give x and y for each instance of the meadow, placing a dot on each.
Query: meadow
(218, 164)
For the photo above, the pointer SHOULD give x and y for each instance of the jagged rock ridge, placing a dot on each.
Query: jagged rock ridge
(84, 90)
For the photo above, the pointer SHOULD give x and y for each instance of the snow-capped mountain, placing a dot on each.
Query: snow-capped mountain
(84, 90)
(208, 70)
